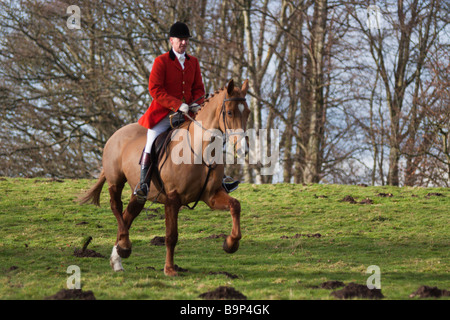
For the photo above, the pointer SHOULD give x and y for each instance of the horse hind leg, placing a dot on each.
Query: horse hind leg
(222, 201)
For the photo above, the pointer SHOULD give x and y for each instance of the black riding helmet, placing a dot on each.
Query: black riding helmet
(179, 30)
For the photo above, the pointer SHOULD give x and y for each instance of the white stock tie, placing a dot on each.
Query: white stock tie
(182, 59)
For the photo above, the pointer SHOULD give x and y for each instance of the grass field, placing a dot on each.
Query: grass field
(294, 238)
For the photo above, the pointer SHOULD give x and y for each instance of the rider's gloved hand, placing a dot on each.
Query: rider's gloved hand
(184, 108)
(195, 107)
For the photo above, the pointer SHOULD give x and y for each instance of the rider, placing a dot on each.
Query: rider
(175, 82)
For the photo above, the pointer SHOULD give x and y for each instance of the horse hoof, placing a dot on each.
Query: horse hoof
(116, 265)
(123, 253)
(231, 249)
(170, 272)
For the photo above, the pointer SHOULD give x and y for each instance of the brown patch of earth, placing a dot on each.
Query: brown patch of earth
(72, 294)
(382, 194)
(180, 269)
(353, 290)
(87, 253)
(12, 268)
(430, 292)
(229, 275)
(158, 241)
(352, 200)
(223, 293)
(349, 199)
(332, 284)
(366, 201)
(298, 235)
(434, 194)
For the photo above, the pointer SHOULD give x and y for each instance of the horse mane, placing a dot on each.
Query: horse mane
(212, 95)
(207, 100)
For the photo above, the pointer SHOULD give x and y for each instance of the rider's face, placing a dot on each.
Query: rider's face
(179, 44)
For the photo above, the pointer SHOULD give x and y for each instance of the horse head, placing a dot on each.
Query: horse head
(234, 114)
(235, 111)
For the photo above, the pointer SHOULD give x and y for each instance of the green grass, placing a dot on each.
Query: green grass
(406, 235)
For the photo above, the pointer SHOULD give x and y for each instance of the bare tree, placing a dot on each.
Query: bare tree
(352, 98)
(407, 34)
(435, 168)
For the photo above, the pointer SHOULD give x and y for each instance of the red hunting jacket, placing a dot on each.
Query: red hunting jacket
(170, 86)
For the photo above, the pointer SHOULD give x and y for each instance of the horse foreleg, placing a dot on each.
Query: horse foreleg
(222, 201)
(131, 212)
(122, 246)
(172, 207)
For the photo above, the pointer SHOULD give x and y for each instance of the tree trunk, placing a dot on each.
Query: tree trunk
(313, 154)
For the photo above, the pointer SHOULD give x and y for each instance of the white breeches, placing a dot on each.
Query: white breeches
(154, 132)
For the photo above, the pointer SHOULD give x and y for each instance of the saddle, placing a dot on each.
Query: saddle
(161, 142)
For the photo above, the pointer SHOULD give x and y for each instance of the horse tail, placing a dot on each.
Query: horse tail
(93, 194)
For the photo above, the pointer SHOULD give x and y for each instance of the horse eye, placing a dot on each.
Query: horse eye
(229, 113)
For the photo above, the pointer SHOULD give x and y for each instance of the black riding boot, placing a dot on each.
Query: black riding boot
(144, 184)
(229, 184)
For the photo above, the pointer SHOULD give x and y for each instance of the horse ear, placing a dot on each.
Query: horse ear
(245, 87)
(230, 87)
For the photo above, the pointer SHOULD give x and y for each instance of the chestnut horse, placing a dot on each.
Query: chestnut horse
(183, 183)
